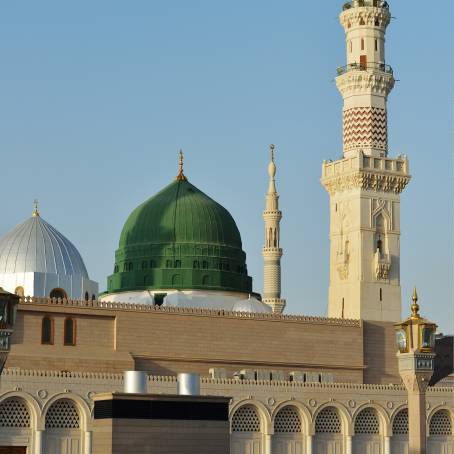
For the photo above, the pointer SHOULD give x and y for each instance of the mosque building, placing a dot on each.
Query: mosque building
(180, 299)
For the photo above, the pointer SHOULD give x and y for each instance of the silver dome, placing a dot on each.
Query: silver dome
(36, 247)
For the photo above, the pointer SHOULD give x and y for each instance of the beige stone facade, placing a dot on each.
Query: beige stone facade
(300, 391)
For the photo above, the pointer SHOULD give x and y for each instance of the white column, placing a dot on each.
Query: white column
(309, 444)
(349, 445)
(387, 445)
(267, 449)
(39, 441)
(88, 436)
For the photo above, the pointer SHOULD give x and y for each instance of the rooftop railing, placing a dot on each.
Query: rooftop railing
(359, 3)
(364, 67)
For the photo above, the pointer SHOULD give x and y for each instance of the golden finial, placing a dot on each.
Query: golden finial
(415, 306)
(35, 208)
(272, 148)
(181, 176)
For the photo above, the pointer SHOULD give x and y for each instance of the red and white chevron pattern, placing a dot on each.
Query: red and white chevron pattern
(365, 127)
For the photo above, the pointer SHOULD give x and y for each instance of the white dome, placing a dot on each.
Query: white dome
(36, 247)
(253, 306)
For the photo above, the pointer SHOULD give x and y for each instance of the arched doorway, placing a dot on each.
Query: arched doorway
(328, 432)
(400, 432)
(246, 431)
(63, 435)
(367, 433)
(288, 437)
(15, 423)
(441, 440)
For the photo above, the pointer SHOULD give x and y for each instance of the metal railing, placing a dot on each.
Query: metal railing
(359, 3)
(365, 67)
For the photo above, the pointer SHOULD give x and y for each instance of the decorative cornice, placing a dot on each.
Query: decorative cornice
(108, 306)
(365, 16)
(360, 81)
(366, 180)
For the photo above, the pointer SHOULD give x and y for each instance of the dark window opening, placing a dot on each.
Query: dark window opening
(381, 294)
(58, 293)
(87, 296)
(47, 331)
(70, 332)
(168, 263)
(196, 264)
(205, 265)
(362, 44)
(177, 263)
(144, 265)
(152, 264)
(130, 266)
(376, 45)
(158, 298)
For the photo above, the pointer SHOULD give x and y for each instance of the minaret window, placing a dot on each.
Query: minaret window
(376, 45)
(47, 331)
(362, 44)
(363, 62)
(381, 294)
(87, 296)
(351, 46)
(70, 332)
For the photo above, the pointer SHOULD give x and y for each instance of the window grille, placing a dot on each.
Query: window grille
(328, 422)
(400, 423)
(367, 423)
(287, 421)
(62, 415)
(441, 423)
(246, 419)
(14, 414)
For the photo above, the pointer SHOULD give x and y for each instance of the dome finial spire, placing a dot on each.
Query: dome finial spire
(35, 212)
(181, 176)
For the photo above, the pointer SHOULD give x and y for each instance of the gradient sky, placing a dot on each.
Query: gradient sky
(97, 97)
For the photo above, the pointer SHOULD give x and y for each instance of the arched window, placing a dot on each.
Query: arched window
(116, 268)
(361, 22)
(287, 420)
(14, 414)
(93, 297)
(87, 296)
(58, 293)
(196, 265)
(205, 265)
(63, 414)
(400, 423)
(130, 266)
(70, 332)
(376, 45)
(246, 419)
(19, 291)
(125, 266)
(367, 422)
(177, 263)
(328, 422)
(47, 331)
(441, 423)
(144, 265)
(362, 44)
(168, 263)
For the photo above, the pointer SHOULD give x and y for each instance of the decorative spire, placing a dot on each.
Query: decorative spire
(181, 176)
(35, 212)
(415, 306)
(272, 171)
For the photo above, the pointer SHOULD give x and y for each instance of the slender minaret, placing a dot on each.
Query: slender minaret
(365, 185)
(272, 252)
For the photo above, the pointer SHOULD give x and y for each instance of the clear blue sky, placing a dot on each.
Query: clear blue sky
(98, 96)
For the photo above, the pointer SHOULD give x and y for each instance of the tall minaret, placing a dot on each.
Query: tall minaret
(365, 185)
(272, 252)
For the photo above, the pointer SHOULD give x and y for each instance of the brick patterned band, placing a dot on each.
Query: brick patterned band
(365, 127)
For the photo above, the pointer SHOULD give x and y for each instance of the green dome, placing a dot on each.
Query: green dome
(180, 239)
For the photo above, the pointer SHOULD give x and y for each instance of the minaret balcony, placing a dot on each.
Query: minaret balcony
(380, 67)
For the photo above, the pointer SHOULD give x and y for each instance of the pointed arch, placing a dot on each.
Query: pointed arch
(30, 402)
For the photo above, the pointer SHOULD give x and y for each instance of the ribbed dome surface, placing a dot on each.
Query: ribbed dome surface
(180, 239)
(180, 213)
(36, 247)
